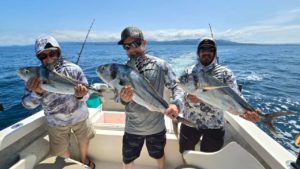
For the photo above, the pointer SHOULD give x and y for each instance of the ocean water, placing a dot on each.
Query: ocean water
(270, 75)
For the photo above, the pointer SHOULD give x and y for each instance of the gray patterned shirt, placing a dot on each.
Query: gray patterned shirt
(60, 109)
(139, 120)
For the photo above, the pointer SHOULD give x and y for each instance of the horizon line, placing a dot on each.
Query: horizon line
(230, 42)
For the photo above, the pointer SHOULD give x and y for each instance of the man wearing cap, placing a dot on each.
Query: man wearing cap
(142, 124)
(63, 112)
(210, 120)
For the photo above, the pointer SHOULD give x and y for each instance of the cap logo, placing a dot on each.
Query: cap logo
(135, 33)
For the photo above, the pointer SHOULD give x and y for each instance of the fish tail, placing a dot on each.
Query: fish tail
(99, 91)
(175, 127)
(186, 122)
(268, 118)
(181, 120)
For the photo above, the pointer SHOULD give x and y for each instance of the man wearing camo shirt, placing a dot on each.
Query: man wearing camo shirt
(210, 120)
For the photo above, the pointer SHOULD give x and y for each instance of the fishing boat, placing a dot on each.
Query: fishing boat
(25, 145)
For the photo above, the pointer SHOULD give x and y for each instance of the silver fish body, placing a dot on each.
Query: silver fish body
(117, 76)
(211, 91)
(215, 93)
(52, 81)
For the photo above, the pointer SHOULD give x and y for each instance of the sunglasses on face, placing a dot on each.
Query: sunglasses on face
(51, 54)
(133, 44)
(211, 50)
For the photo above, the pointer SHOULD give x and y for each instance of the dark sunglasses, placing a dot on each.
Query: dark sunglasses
(212, 50)
(133, 44)
(51, 54)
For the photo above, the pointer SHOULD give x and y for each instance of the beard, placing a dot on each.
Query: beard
(50, 61)
(134, 54)
(206, 59)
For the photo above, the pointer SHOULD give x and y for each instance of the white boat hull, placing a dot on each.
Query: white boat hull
(26, 144)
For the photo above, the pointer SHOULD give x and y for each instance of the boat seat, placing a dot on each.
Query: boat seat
(187, 166)
(56, 162)
(232, 156)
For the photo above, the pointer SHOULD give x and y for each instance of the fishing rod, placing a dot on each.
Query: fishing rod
(211, 33)
(212, 37)
(79, 54)
(240, 86)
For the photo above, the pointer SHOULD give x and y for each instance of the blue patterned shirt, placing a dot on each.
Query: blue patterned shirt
(60, 109)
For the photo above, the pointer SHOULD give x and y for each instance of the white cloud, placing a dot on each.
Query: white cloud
(75, 35)
(158, 35)
(249, 34)
(9, 38)
(264, 34)
(176, 34)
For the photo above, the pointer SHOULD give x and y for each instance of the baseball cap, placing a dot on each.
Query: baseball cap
(206, 42)
(133, 32)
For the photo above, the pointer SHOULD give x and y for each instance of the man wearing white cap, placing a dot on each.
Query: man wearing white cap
(64, 113)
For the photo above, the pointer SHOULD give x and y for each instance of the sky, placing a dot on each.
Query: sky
(252, 21)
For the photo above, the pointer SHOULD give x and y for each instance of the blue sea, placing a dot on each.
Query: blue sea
(270, 75)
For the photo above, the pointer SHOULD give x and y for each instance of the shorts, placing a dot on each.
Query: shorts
(133, 144)
(60, 136)
(212, 139)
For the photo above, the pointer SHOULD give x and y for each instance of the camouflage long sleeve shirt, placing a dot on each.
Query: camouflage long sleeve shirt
(207, 116)
(60, 109)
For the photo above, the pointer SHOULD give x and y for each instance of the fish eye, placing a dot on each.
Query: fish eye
(102, 68)
(26, 71)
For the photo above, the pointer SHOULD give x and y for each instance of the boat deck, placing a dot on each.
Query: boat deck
(61, 163)
(115, 165)
(109, 127)
(106, 147)
(111, 117)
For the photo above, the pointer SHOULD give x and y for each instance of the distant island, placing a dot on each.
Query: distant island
(221, 42)
(192, 42)
(172, 42)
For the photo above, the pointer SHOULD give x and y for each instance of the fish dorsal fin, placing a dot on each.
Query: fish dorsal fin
(146, 83)
(211, 88)
(73, 81)
(207, 88)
